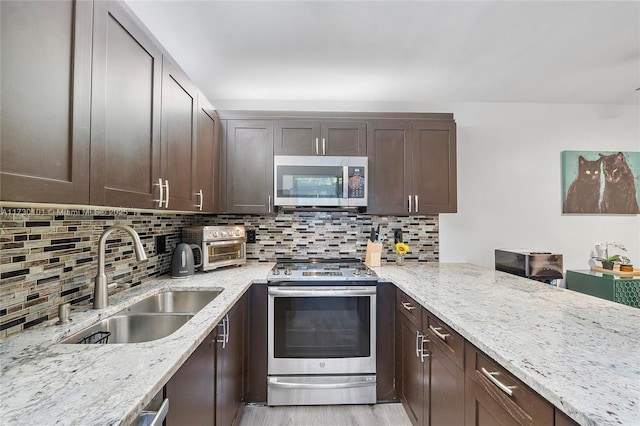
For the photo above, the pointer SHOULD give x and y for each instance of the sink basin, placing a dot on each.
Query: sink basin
(185, 301)
(130, 328)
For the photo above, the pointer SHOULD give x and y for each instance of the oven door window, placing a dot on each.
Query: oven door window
(310, 182)
(216, 253)
(322, 327)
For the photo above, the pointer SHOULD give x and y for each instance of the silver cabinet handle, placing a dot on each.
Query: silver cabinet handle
(324, 147)
(423, 352)
(161, 200)
(199, 205)
(417, 343)
(226, 336)
(223, 339)
(409, 203)
(416, 198)
(317, 150)
(504, 388)
(436, 331)
(407, 306)
(166, 200)
(161, 414)
(269, 203)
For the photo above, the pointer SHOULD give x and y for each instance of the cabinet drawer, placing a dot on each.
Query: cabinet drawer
(442, 335)
(409, 308)
(493, 392)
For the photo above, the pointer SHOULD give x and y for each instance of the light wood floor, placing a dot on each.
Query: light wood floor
(326, 415)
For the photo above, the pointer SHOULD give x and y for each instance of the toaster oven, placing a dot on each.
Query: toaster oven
(221, 245)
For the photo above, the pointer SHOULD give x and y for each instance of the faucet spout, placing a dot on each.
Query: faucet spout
(100, 294)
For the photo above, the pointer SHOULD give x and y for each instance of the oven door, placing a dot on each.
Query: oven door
(322, 330)
(223, 253)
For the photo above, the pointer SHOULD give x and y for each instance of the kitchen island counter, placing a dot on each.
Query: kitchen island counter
(579, 352)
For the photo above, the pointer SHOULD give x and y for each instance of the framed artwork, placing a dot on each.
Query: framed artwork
(601, 182)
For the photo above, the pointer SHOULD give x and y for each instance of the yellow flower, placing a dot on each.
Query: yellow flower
(402, 248)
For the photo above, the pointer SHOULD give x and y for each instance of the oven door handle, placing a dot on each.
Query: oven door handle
(321, 291)
(273, 382)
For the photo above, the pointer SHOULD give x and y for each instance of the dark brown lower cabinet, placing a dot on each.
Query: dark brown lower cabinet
(256, 377)
(447, 389)
(191, 391)
(494, 397)
(230, 364)
(412, 371)
(385, 332)
(563, 420)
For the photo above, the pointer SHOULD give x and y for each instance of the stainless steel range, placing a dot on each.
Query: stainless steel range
(322, 333)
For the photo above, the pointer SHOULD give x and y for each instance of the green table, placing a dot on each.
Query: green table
(606, 286)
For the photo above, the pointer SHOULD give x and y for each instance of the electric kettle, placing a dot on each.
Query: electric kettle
(182, 263)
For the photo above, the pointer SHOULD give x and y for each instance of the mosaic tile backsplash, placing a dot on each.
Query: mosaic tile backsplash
(49, 256)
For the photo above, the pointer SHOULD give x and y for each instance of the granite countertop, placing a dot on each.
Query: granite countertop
(46, 383)
(579, 352)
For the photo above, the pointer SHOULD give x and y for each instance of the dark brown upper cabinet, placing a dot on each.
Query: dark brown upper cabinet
(412, 167)
(434, 167)
(125, 112)
(179, 108)
(207, 158)
(389, 152)
(45, 63)
(312, 137)
(248, 162)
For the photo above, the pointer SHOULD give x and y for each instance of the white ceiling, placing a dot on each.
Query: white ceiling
(404, 51)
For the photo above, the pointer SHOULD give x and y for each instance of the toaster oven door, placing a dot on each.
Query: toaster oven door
(223, 253)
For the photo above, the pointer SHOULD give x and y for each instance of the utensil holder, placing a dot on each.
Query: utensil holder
(373, 255)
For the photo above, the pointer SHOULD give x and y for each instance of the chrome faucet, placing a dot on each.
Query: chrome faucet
(100, 294)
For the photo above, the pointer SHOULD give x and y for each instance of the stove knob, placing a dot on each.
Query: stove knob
(368, 272)
(287, 271)
(224, 233)
(356, 272)
(276, 271)
(238, 232)
(215, 233)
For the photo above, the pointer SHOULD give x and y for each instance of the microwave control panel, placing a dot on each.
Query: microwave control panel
(356, 182)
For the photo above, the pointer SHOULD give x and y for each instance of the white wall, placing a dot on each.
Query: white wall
(509, 181)
(509, 175)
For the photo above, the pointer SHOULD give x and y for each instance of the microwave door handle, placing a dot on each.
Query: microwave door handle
(345, 183)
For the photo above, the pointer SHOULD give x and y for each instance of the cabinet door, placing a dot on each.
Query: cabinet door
(385, 332)
(487, 404)
(191, 390)
(207, 158)
(434, 167)
(447, 390)
(257, 319)
(125, 111)
(249, 158)
(389, 152)
(46, 99)
(297, 138)
(411, 370)
(179, 107)
(230, 366)
(343, 138)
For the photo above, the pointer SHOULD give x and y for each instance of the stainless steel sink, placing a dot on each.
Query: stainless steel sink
(185, 301)
(130, 328)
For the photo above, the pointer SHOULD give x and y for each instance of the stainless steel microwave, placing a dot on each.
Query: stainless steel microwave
(320, 181)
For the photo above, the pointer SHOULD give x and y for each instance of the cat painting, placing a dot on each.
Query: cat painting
(584, 193)
(619, 195)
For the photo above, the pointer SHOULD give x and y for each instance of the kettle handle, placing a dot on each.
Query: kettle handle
(199, 248)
